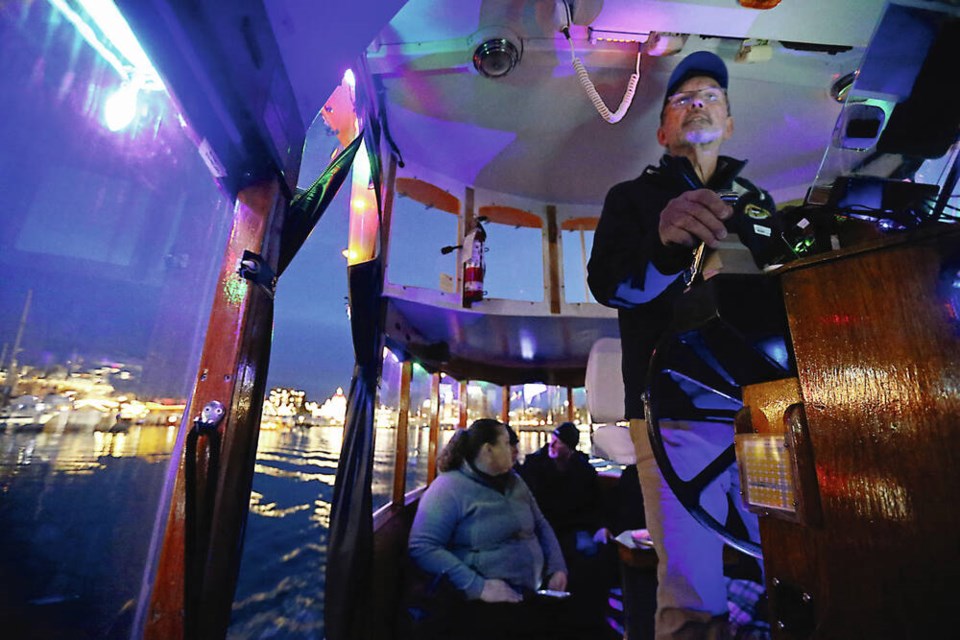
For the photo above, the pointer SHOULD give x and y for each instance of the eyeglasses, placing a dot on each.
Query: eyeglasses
(708, 96)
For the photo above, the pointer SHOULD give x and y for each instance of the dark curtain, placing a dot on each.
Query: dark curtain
(308, 206)
(347, 608)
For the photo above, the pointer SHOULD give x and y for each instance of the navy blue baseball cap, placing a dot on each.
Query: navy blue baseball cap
(698, 63)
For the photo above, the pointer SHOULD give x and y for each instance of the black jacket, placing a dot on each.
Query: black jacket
(570, 500)
(627, 240)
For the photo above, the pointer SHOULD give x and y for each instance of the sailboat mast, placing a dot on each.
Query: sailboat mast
(12, 373)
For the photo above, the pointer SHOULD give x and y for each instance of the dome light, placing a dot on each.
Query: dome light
(496, 57)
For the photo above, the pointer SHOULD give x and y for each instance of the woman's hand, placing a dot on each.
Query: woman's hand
(499, 591)
(558, 581)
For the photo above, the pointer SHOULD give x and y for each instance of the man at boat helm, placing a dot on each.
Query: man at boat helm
(648, 230)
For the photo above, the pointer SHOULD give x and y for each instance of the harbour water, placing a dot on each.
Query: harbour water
(77, 508)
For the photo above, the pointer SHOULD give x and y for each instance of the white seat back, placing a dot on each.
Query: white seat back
(604, 382)
(604, 386)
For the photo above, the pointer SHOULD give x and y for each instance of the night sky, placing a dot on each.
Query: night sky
(312, 345)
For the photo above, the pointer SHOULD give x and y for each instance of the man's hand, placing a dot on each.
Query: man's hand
(694, 217)
(499, 591)
(558, 581)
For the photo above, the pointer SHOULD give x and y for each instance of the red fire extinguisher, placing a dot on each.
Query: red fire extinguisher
(474, 267)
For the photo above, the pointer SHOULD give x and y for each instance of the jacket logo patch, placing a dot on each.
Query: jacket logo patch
(756, 212)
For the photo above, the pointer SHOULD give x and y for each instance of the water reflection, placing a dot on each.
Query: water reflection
(77, 506)
(76, 509)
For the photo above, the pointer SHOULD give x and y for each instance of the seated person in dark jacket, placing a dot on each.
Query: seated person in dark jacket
(567, 489)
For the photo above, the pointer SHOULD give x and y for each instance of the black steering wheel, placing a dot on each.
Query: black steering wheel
(728, 332)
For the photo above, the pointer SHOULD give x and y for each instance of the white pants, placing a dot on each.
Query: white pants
(691, 590)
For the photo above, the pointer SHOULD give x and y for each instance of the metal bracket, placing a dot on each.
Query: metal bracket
(209, 418)
(255, 269)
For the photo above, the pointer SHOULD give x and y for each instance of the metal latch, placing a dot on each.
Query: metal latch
(255, 269)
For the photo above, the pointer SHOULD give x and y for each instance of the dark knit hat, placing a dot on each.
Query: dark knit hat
(698, 63)
(568, 434)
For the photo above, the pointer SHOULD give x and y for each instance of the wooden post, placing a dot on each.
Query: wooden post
(466, 223)
(553, 260)
(432, 448)
(462, 424)
(505, 405)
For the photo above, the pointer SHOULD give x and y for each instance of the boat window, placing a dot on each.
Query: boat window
(385, 425)
(449, 409)
(576, 253)
(423, 236)
(514, 262)
(113, 234)
(537, 405)
(576, 237)
(484, 400)
(418, 428)
(449, 402)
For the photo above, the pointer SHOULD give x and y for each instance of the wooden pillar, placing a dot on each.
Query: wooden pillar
(505, 405)
(466, 224)
(432, 448)
(553, 260)
(462, 424)
(400, 446)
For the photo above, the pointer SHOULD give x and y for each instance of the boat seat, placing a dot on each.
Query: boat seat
(605, 402)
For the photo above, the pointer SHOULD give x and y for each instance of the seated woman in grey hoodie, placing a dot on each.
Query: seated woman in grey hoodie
(479, 529)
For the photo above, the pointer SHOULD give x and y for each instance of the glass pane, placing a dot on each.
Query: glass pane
(449, 402)
(449, 409)
(531, 439)
(556, 404)
(113, 235)
(581, 414)
(576, 253)
(529, 405)
(484, 400)
(418, 429)
(385, 430)
(417, 235)
(514, 262)
(285, 540)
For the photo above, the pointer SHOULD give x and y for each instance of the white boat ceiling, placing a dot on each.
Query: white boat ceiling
(534, 132)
